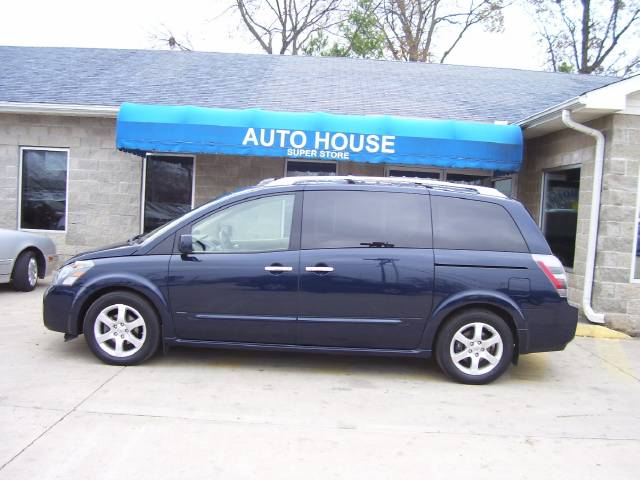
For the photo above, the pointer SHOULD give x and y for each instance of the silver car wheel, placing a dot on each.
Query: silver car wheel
(476, 348)
(120, 330)
(32, 272)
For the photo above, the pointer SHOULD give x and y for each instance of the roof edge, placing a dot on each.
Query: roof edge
(108, 111)
(599, 101)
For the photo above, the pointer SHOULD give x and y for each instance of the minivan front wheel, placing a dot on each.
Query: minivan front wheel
(475, 347)
(121, 328)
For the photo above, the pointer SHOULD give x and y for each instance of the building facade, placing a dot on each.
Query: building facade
(62, 175)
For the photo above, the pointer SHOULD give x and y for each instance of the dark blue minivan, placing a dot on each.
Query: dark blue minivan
(382, 266)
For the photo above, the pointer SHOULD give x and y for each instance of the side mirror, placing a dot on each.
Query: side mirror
(185, 244)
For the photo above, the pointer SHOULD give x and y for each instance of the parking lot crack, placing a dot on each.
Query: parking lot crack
(53, 425)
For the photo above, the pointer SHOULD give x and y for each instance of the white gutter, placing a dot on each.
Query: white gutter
(60, 109)
(550, 113)
(594, 216)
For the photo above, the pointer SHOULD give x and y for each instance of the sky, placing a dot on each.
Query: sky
(212, 26)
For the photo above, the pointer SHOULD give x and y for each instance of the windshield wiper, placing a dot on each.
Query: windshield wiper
(377, 244)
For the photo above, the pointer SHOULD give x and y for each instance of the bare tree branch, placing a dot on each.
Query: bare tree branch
(290, 22)
(412, 26)
(584, 35)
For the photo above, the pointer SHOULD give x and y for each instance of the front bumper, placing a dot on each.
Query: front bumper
(57, 308)
(51, 263)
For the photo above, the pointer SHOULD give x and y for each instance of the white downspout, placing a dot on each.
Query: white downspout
(594, 217)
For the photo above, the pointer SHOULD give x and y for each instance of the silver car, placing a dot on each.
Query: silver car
(25, 257)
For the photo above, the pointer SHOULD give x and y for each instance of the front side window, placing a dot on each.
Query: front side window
(260, 225)
(356, 219)
(467, 179)
(460, 224)
(43, 195)
(560, 212)
(305, 169)
(168, 189)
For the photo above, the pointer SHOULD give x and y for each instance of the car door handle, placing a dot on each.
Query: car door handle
(277, 268)
(319, 269)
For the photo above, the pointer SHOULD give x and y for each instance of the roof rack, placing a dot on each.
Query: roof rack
(363, 180)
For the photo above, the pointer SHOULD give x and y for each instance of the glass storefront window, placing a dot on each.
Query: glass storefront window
(466, 178)
(43, 195)
(305, 169)
(560, 212)
(636, 269)
(168, 189)
(504, 186)
(396, 172)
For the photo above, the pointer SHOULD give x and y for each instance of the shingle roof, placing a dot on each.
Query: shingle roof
(282, 83)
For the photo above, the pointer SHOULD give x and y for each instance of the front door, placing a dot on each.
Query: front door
(241, 282)
(366, 269)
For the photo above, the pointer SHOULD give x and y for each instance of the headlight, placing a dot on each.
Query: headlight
(68, 274)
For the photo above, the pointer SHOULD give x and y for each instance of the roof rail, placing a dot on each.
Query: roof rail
(363, 180)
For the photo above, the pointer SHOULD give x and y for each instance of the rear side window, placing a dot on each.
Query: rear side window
(460, 224)
(356, 219)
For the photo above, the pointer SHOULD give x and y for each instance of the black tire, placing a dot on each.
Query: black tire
(493, 324)
(135, 305)
(21, 279)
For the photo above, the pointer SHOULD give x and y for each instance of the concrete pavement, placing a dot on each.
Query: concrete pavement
(223, 414)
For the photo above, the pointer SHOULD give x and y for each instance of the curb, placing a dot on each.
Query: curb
(598, 331)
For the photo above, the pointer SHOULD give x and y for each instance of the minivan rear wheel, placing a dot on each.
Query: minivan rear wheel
(475, 347)
(121, 328)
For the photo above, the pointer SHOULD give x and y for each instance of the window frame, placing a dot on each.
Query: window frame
(307, 160)
(633, 278)
(296, 221)
(20, 184)
(143, 183)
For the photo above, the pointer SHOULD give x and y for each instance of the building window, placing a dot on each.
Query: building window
(299, 168)
(467, 178)
(636, 266)
(560, 212)
(43, 189)
(168, 189)
(504, 186)
(402, 172)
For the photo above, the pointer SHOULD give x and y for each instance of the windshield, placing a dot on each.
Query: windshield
(161, 230)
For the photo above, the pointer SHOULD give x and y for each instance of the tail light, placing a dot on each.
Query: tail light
(553, 269)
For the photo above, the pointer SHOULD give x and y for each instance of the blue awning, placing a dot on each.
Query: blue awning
(322, 136)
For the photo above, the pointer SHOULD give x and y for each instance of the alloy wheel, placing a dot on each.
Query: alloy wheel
(476, 348)
(32, 272)
(120, 330)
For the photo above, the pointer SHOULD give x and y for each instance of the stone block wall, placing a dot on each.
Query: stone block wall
(104, 184)
(614, 292)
